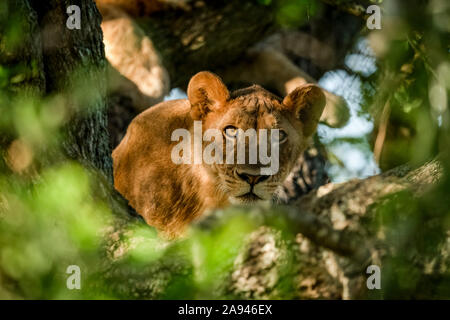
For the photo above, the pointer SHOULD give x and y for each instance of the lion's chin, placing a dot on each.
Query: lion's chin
(248, 198)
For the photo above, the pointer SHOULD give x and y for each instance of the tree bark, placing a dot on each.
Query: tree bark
(75, 66)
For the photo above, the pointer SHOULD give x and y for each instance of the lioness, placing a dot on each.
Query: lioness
(170, 195)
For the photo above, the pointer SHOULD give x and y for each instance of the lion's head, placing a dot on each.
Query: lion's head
(253, 108)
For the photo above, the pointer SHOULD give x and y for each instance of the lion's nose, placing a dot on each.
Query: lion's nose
(252, 179)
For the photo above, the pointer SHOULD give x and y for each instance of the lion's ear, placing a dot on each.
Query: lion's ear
(306, 103)
(206, 92)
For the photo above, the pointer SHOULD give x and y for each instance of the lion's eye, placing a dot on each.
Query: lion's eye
(282, 136)
(231, 131)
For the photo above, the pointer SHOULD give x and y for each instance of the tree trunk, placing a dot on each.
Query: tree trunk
(74, 66)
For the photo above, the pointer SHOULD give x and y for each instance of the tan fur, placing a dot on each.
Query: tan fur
(145, 7)
(137, 69)
(168, 195)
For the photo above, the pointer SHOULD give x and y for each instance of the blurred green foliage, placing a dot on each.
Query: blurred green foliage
(295, 13)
